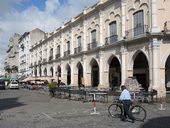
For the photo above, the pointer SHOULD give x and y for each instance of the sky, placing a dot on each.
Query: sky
(19, 16)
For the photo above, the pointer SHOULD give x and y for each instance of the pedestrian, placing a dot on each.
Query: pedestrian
(125, 99)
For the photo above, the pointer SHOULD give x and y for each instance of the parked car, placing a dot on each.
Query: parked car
(13, 85)
(2, 84)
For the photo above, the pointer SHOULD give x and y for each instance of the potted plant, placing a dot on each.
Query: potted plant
(52, 87)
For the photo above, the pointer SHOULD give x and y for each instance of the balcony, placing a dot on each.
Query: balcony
(35, 63)
(77, 50)
(111, 39)
(57, 55)
(39, 62)
(66, 53)
(50, 58)
(167, 26)
(92, 45)
(131, 33)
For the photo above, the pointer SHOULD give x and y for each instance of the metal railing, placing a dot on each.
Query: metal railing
(167, 26)
(57, 55)
(111, 39)
(50, 58)
(77, 50)
(137, 31)
(92, 45)
(66, 53)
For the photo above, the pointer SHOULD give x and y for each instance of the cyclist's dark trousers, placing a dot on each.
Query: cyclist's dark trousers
(126, 106)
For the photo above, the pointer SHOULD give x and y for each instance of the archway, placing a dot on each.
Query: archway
(80, 74)
(114, 74)
(59, 75)
(167, 74)
(35, 72)
(51, 71)
(45, 72)
(40, 72)
(94, 74)
(141, 70)
(68, 75)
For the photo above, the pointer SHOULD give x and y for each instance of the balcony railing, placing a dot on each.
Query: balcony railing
(50, 58)
(77, 50)
(111, 39)
(137, 31)
(66, 53)
(57, 55)
(35, 63)
(44, 60)
(167, 26)
(92, 45)
(39, 62)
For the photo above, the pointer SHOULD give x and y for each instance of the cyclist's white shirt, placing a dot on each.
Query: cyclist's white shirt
(125, 95)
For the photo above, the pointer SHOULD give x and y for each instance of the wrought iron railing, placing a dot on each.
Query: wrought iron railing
(92, 45)
(77, 50)
(50, 58)
(57, 55)
(137, 31)
(167, 26)
(111, 39)
(66, 53)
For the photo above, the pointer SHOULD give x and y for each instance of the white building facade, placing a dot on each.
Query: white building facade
(27, 39)
(107, 43)
(11, 64)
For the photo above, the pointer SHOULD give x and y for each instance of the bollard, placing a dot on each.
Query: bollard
(161, 102)
(94, 105)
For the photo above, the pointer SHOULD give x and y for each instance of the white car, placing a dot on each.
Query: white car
(13, 85)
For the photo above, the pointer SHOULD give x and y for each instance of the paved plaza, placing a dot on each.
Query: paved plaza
(30, 109)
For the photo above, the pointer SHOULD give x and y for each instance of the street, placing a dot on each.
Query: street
(30, 109)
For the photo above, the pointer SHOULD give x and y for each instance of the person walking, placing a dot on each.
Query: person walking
(125, 98)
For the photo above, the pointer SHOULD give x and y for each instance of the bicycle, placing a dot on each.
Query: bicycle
(116, 111)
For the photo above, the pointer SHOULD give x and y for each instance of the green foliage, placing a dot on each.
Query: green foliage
(51, 85)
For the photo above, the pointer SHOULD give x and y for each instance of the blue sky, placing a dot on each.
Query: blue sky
(19, 16)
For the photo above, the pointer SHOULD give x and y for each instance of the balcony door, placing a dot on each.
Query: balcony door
(138, 19)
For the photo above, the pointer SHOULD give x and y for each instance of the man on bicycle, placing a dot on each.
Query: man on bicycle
(125, 98)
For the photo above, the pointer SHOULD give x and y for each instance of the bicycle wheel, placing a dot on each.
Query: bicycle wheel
(115, 110)
(138, 112)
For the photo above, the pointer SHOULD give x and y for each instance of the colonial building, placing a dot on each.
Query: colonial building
(11, 63)
(107, 43)
(27, 39)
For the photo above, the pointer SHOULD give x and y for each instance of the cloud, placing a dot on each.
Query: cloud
(20, 21)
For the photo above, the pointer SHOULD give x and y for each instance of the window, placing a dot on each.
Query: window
(138, 19)
(58, 49)
(93, 36)
(51, 52)
(79, 41)
(93, 39)
(113, 31)
(68, 47)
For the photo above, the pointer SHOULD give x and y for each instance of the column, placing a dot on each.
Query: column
(123, 13)
(154, 16)
(155, 47)
(101, 43)
(123, 51)
(62, 46)
(63, 73)
(72, 42)
(84, 37)
(101, 70)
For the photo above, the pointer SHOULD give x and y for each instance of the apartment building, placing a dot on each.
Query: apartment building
(11, 63)
(27, 39)
(107, 43)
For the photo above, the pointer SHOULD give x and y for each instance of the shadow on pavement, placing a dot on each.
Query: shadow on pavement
(8, 103)
(160, 122)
